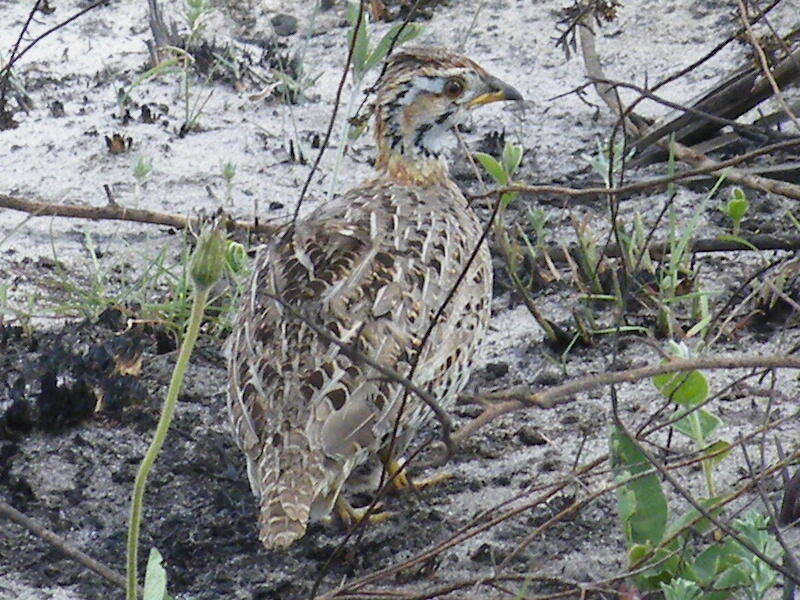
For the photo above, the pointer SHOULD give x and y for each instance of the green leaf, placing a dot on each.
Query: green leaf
(512, 156)
(738, 205)
(708, 424)
(492, 167)
(410, 31)
(155, 578)
(702, 525)
(721, 446)
(507, 198)
(707, 565)
(642, 503)
(664, 569)
(681, 589)
(735, 576)
(688, 389)
(361, 45)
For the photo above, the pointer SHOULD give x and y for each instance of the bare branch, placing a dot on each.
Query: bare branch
(116, 212)
(62, 545)
(519, 399)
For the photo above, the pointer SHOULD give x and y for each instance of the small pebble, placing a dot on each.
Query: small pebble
(284, 25)
(530, 436)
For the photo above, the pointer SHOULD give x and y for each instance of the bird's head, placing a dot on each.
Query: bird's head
(423, 93)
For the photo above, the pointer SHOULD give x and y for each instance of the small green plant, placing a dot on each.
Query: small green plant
(228, 173)
(176, 60)
(681, 589)
(690, 391)
(736, 208)
(685, 557)
(676, 278)
(196, 13)
(155, 578)
(142, 169)
(366, 56)
(502, 172)
(207, 266)
(609, 160)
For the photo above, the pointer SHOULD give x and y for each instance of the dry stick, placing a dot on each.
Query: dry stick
(682, 152)
(560, 394)
(467, 532)
(762, 58)
(116, 212)
(687, 110)
(7, 68)
(62, 545)
(334, 112)
(639, 185)
(7, 71)
(559, 255)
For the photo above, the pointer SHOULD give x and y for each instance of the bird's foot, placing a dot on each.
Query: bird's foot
(351, 516)
(401, 481)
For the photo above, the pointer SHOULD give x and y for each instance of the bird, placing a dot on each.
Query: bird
(370, 269)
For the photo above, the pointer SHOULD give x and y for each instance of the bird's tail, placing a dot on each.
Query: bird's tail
(290, 484)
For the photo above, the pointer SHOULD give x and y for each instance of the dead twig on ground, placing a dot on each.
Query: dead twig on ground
(5, 70)
(520, 398)
(658, 250)
(117, 212)
(62, 545)
(765, 68)
(634, 125)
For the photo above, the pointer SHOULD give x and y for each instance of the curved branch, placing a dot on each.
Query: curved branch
(562, 394)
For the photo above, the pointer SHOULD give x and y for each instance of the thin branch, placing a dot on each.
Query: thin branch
(7, 68)
(765, 69)
(657, 250)
(62, 545)
(519, 399)
(682, 152)
(117, 212)
(334, 112)
(639, 185)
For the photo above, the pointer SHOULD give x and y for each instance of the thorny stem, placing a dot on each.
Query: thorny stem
(198, 309)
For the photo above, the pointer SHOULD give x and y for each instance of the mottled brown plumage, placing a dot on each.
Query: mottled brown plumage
(372, 268)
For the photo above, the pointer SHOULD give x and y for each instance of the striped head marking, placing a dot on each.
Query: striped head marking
(425, 92)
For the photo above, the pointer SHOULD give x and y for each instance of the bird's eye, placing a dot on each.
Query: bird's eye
(454, 87)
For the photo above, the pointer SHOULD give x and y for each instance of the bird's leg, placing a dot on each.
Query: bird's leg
(350, 516)
(402, 482)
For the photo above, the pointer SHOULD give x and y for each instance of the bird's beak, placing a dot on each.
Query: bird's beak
(497, 91)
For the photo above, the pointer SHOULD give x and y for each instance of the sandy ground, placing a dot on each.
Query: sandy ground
(200, 513)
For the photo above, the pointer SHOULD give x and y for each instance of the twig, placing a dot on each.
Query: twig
(334, 112)
(683, 153)
(562, 394)
(639, 185)
(113, 211)
(116, 212)
(762, 58)
(7, 68)
(62, 545)
(657, 250)
(15, 47)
